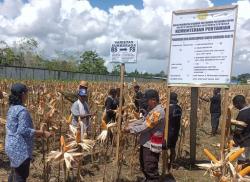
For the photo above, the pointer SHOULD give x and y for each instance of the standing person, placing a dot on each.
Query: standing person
(151, 131)
(215, 109)
(20, 134)
(241, 135)
(175, 113)
(81, 113)
(137, 97)
(111, 104)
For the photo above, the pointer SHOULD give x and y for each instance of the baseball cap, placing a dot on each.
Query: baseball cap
(82, 92)
(18, 89)
(151, 94)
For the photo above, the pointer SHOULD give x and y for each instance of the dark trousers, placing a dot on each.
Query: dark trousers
(215, 119)
(21, 173)
(149, 164)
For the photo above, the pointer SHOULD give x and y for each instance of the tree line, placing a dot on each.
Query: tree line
(25, 53)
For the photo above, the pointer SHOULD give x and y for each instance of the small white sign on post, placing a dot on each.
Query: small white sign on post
(202, 44)
(123, 51)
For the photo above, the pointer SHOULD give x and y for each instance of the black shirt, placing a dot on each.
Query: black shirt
(215, 105)
(110, 106)
(137, 101)
(175, 113)
(242, 138)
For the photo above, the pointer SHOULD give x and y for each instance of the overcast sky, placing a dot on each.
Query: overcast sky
(78, 25)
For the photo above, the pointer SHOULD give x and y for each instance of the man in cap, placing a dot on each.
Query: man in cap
(241, 135)
(151, 130)
(175, 113)
(215, 109)
(81, 113)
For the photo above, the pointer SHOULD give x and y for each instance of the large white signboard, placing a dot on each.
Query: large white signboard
(202, 44)
(124, 51)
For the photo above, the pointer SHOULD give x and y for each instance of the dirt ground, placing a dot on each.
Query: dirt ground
(94, 166)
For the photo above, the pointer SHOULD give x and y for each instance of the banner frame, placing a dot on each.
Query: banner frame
(215, 8)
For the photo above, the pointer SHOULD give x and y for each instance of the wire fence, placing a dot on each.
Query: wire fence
(27, 73)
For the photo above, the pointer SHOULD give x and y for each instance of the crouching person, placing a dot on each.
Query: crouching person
(151, 136)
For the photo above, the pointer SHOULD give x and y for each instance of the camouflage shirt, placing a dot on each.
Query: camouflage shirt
(151, 129)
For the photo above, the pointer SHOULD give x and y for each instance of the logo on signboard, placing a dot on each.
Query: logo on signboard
(202, 15)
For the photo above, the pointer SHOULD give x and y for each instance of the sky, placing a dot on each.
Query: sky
(72, 26)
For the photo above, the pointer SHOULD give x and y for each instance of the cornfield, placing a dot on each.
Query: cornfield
(68, 157)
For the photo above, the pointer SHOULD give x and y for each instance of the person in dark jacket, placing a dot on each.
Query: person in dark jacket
(175, 113)
(215, 109)
(111, 104)
(241, 135)
(137, 97)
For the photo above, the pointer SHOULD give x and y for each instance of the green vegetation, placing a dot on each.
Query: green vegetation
(25, 53)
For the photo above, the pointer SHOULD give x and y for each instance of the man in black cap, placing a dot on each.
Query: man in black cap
(241, 135)
(215, 109)
(175, 113)
(151, 130)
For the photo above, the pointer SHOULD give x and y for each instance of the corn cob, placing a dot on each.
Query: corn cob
(245, 171)
(210, 156)
(236, 154)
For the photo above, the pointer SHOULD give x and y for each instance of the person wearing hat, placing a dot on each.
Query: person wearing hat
(175, 113)
(151, 129)
(215, 109)
(81, 113)
(20, 134)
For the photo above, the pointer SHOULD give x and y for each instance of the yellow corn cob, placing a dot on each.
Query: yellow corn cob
(69, 119)
(210, 156)
(236, 154)
(245, 171)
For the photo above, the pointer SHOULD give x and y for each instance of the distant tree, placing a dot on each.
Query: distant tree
(116, 70)
(244, 77)
(91, 62)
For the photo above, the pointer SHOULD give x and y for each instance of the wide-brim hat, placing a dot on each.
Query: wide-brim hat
(83, 83)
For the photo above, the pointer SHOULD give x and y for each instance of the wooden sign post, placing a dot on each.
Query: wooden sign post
(118, 139)
(164, 151)
(224, 128)
(122, 51)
